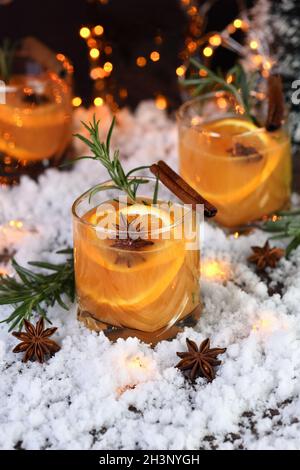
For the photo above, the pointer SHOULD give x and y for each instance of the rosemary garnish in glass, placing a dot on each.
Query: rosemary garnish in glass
(125, 182)
(7, 53)
(236, 82)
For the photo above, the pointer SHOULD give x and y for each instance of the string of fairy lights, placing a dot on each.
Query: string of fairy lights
(254, 50)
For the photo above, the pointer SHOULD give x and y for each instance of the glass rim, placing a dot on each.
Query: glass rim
(167, 228)
(180, 116)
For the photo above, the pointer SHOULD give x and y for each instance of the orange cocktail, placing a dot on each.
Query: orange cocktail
(137, 269)
(243, 169)
(35, 121)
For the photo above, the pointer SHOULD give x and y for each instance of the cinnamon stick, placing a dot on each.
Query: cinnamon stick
(181, 188)
(275, 103)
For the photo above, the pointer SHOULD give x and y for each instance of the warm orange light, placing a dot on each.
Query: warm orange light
(94, 53)
(98, 101)
(192, 11)
(76, 101)
(108, 66)
(231, 29)
(202, 73)
(141, 61)
(91, 42)
(123, 93)
(15, 224)
(192, 46)
(257, 59)
(180, 71)
(60, 57)
(253, 44)
(161, 102)
(208, 51)
(108, 50)
(222, 103)
(236, 235)
(85, 32)
(215, 270)
(215, 40)
(229, 79)
(155, 56)
(98, 30)
(135, 363)
(267, 65)
(263, 324)
(237, 23)
(97, 72)
(158, 40)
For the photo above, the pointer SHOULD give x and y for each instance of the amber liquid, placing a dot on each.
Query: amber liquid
(243, 188)
(142, 292)
(29, 131)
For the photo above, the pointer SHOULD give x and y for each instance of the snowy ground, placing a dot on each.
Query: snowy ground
(97, 395)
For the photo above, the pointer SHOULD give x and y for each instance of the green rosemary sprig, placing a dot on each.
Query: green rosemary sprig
(35, 292)
(239, 85)
(287, 226)
(7, 52)
(111, 161)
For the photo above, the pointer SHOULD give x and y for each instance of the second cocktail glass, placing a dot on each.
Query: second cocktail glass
(241, 168)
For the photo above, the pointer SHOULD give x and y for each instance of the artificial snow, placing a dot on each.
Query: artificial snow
(97, 395)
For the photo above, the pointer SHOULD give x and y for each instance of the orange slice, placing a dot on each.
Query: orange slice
(220, 177)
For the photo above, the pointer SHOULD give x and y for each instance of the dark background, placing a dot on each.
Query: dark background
(130, 26)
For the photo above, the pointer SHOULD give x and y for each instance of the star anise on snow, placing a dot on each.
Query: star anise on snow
(265, 256)
(35, 342)
(6, 256)
(200, 361)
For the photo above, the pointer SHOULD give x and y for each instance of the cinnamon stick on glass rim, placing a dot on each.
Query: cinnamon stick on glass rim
(275, 103)
(181, 188)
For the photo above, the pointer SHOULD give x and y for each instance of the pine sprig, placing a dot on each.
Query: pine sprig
(239, 85)
(287, 226)
(34, 292)
(111, 161)
(7, 53)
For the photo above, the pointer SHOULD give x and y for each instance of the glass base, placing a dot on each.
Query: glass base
(114, 332)
(249, 227)
(12, 169)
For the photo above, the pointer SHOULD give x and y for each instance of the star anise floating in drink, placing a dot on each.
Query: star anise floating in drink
(265, 256)
(200, 361)
(131, 235)
(35, 342)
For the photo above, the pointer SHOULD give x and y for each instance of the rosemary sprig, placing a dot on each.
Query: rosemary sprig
(7, 52)
(287, 226)
(111, 161)
(35, 292)
(235, 82)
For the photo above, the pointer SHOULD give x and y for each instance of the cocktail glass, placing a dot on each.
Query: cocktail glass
(241, 168)
(136, 264)
(35, 120)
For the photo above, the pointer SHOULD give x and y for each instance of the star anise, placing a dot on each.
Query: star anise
(35, 343)
(200, 361)
(130, 239)
(241, 150)
(265, 256)
(6, 255)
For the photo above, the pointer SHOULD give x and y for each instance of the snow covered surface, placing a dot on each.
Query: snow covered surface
(97, 395)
